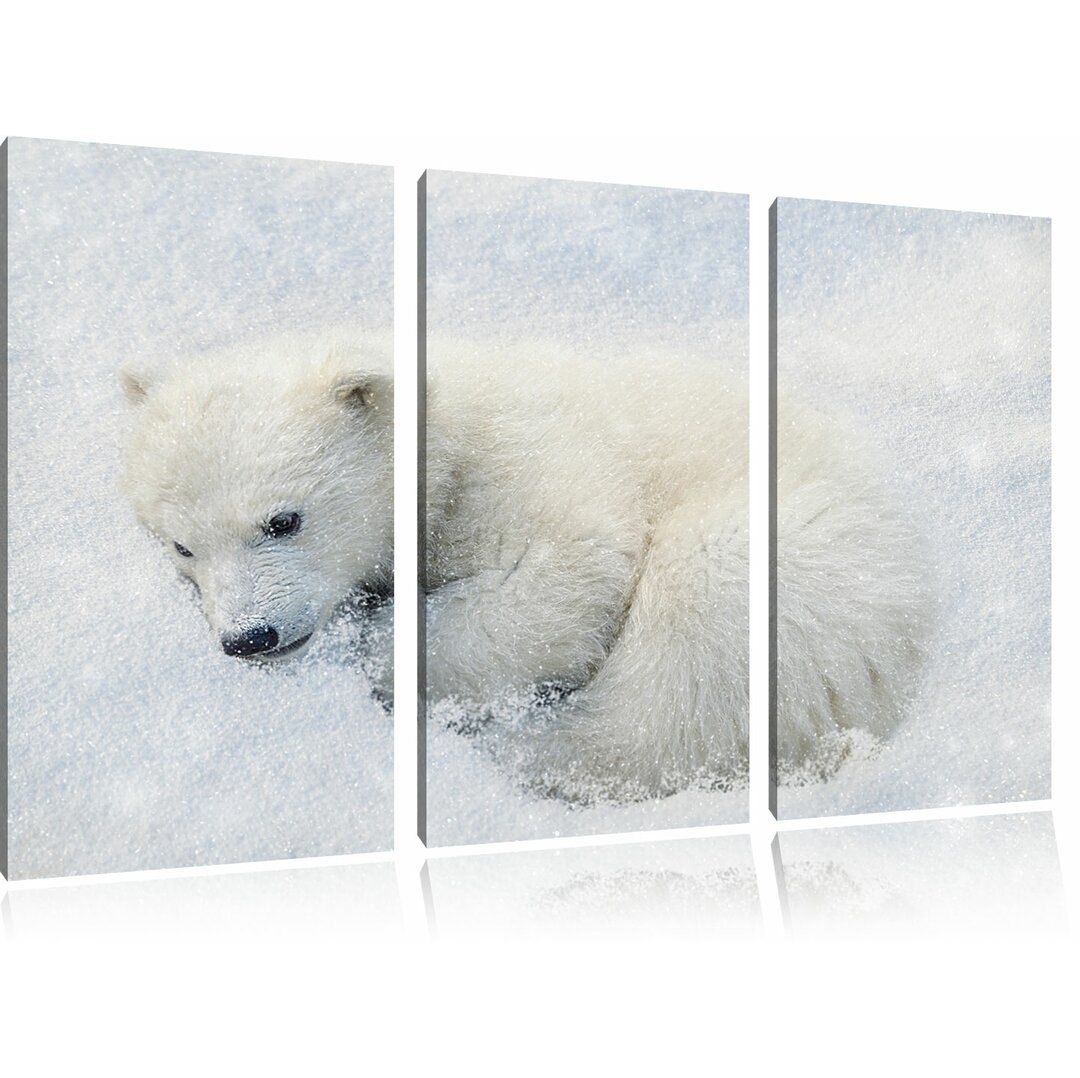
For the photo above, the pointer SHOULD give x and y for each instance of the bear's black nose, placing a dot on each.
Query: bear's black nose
(254, 641)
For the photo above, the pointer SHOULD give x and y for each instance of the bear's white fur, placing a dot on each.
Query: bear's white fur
(224, 442)
(854, 591)
(586, 526)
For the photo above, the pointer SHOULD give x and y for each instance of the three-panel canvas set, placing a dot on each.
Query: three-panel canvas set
(200, 508)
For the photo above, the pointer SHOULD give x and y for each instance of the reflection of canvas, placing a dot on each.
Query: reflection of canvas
(913, 565)
(585, 533)
(702, 887)
(989, 874)
(147, 725)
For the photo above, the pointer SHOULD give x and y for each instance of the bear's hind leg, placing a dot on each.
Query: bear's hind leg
(669, 705)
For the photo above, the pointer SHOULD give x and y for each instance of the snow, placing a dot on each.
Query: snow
(930, 330)
(134, 742)
(593, 269)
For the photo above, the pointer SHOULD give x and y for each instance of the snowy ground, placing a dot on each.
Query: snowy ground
(134, 742)
(596, 269)
(932, 330)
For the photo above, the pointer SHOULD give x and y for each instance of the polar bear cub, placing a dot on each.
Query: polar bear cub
(267, 472)
(585, 533)
(586, 528)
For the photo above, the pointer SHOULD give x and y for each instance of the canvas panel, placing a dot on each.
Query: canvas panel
(135, 740)
(910, 508)
(584, 542)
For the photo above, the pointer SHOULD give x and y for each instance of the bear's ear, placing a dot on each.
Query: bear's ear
(135, 384)
(363, 390)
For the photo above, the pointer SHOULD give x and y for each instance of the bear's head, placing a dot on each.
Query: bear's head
(267, 472)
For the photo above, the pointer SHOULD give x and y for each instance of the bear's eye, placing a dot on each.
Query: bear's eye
(183, 551)
(282, 524)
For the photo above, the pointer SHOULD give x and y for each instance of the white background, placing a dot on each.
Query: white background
(914, 105)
